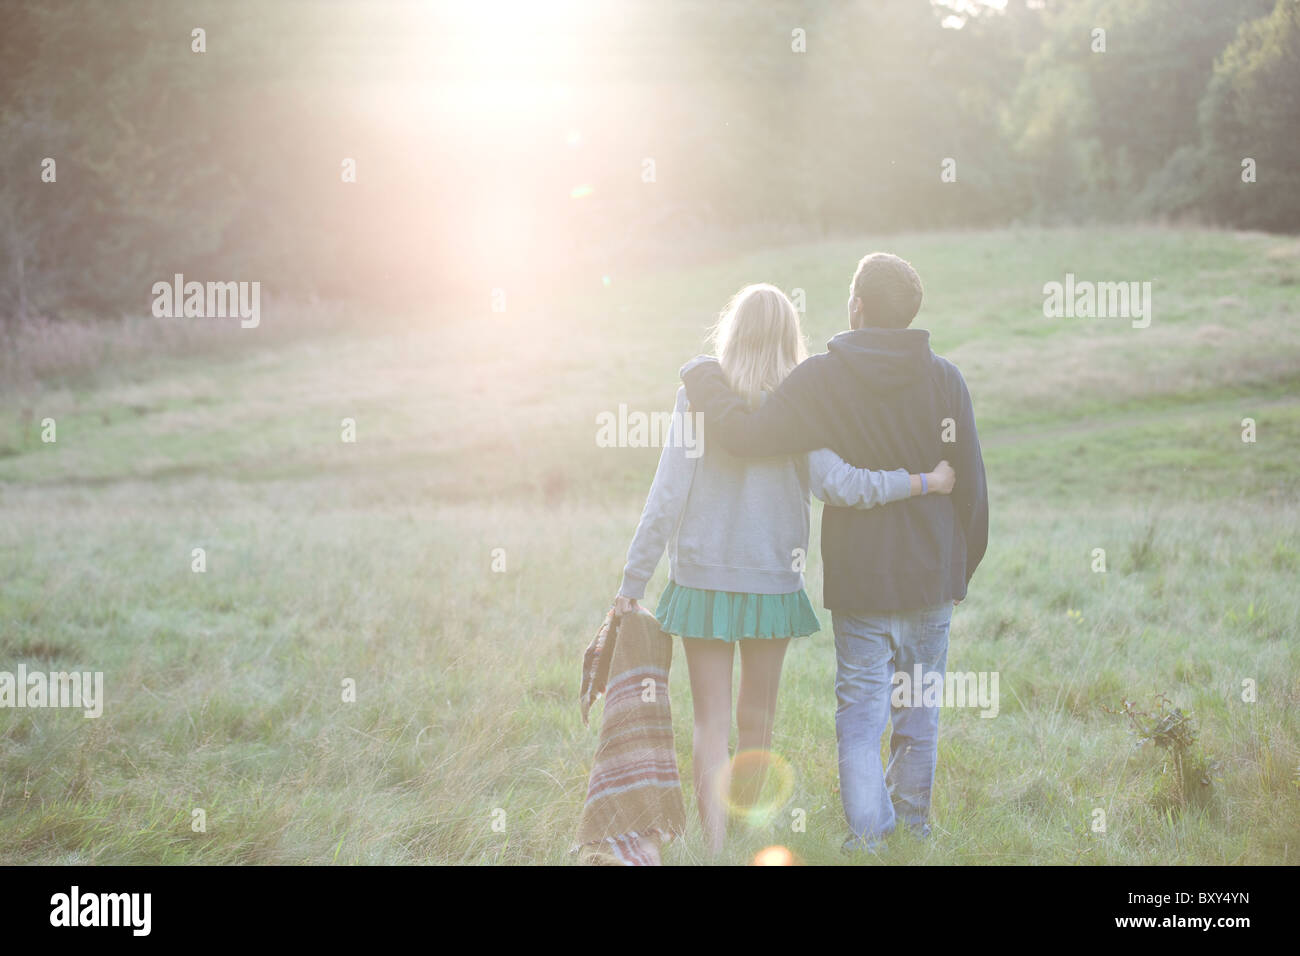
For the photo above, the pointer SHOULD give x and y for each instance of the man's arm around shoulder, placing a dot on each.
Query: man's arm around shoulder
(785, 423)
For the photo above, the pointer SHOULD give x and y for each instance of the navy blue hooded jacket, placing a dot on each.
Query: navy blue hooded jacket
(881, 399)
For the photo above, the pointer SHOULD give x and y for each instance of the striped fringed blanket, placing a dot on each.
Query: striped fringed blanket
(634, 796)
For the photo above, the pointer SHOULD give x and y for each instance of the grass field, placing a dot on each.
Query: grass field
(372, 561)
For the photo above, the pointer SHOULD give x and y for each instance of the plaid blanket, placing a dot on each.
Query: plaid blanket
(634, 795)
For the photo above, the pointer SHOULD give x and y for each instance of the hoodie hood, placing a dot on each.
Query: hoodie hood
(884, 359)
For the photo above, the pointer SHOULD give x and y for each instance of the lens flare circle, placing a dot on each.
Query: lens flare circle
(774, 856)
(761, 781)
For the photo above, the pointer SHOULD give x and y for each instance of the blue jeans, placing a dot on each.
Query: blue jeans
(868, 651)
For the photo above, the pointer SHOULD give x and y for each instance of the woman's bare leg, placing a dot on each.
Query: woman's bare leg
(709, 662)
(760, 678)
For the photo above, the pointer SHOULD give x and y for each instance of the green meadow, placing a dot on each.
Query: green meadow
(371, 562)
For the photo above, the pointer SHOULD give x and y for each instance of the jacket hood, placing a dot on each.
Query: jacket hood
(884, 359)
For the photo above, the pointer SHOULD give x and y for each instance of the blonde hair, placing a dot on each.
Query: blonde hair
(758, 340)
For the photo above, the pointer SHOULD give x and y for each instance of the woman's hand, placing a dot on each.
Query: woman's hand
(624, 605)
(941, 479)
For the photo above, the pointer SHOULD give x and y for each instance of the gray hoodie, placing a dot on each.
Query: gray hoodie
(741, 524)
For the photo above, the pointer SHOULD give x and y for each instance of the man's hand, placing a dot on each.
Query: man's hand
(942, 479)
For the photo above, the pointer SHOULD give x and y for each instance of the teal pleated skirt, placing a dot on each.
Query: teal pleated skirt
(734, 616)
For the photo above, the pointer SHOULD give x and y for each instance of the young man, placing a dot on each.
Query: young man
(880, 398)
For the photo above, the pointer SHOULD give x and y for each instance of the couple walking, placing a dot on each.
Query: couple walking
(898, 545)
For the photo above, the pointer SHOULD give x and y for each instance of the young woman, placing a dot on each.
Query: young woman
(736, 531)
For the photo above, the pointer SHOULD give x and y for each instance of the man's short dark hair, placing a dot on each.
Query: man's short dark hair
(890, 291)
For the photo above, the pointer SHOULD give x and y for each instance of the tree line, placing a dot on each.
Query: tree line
(142, 138)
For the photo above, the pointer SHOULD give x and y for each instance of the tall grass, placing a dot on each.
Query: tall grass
(372, 562)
